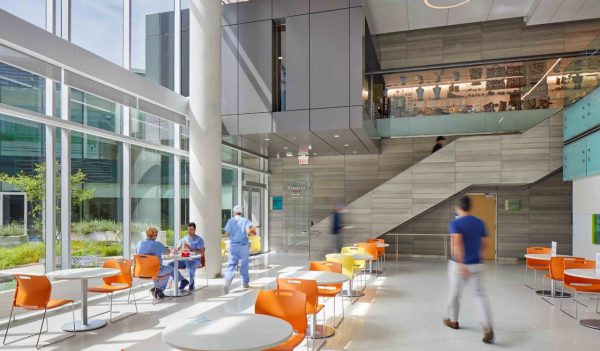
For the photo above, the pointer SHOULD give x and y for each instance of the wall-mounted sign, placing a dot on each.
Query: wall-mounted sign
(554, 248)
(512, 205)
(596, 229)
(277, 203)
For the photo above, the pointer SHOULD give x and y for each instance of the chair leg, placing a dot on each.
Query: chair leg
(41, 327)
(110, 308)
(8, 324)
(134, 299)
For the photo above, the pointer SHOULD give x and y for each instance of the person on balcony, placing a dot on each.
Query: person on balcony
(439, 143)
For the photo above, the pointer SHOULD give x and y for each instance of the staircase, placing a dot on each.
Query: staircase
(499, 160)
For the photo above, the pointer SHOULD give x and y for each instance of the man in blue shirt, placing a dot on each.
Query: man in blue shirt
(238, 228)
(195, 245)
(468, 234)
(150, 246)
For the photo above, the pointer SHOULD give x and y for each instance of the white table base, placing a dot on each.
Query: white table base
(84, 324)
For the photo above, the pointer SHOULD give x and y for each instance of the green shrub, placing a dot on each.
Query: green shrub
(30, 253)
(21, 255)
(12, 229)
(141, 227)
(95, 225)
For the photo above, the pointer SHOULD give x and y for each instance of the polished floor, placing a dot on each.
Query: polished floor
(402, 310)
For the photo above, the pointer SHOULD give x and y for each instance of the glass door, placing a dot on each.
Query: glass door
(296, 212)
(252, 201)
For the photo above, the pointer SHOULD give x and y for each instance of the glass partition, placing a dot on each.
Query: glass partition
(152, 129)
(22, 89)
(98, 27)
(96, 213)
(94, 111)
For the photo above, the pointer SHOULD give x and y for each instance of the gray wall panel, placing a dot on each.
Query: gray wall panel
(354, 3)
(297, 63)
(329, 61)
(230, 125)
(357, 29)
(291, 121)
(327, 5)
(286, 8)
(255, 67)
(229, 70)
(229, 14)
(255, 10)
(330, 118)
(256, 123)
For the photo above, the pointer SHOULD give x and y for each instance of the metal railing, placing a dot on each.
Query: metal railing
(445, 237)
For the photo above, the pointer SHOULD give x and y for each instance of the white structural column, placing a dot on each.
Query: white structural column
(126, 148)
(50, 201)
(65, 179)
(205, 126)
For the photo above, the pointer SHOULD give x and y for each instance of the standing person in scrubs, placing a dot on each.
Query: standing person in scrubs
(150, 246)
(238, 228)
(468, 233)
(193, 244)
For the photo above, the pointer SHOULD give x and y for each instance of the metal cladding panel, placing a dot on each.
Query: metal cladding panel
(255, 65)
(255, 123)
(229, 70)
(297, 60)
(357, 30)
(286, 8)
(291, 121)
(255, 10)
(329, 59)
(327, 5)
(330, 118)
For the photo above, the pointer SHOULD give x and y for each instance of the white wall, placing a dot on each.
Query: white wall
(586, 201)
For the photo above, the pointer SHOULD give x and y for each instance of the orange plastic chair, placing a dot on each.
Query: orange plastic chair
(289, 306)
(310, 289)
(147, 267)
(33, 293)
(380, 250)
(329, 290)
(577, 285)
(557, 269)
(119, 282)
(371, 249)
(536, 265)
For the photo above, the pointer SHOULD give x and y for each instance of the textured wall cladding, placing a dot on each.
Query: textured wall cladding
(478, 41)
(545, 216)
(339, 180)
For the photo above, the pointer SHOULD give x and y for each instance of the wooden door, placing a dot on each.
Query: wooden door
(483, 206)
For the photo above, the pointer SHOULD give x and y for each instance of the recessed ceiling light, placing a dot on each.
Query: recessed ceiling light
(346, 145)
(285, 147)
(336, 136)
(267, 139)
(281, 58)
(444, 7)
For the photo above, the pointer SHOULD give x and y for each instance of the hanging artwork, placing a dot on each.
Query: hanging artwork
(596, 229)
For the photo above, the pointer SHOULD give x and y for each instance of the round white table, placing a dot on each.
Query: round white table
(379, 245)
(236, 332)
(175, 292)
(357, 257)
(83, 274)
(322, 278)
(588, 274)
(552, 292)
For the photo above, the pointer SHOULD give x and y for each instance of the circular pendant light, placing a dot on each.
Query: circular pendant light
(444, 7)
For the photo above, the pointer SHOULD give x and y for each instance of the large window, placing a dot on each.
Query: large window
(21, 89)
(33, 11)
(22, 171)
(152, 40)
(95, 112)
(151, 194)
(96, 215)
(98, 27)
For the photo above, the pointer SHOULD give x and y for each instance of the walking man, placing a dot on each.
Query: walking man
(238, 228)
(467, 233)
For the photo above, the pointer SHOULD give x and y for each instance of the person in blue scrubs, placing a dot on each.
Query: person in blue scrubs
(238, 228)
(150, 246)
(195, 245)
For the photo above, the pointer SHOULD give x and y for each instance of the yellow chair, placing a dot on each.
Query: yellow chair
(348, 267)
(255, 244)
(361, 264)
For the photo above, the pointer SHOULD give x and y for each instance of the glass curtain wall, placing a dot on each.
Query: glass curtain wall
(33, 11)
(153, 40)
(97, 26)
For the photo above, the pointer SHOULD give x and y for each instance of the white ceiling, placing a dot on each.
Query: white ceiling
(386, 16)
